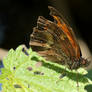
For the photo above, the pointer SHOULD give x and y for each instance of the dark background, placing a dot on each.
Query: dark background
(17, 18)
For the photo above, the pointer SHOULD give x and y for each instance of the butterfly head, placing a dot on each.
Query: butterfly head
(84, 62)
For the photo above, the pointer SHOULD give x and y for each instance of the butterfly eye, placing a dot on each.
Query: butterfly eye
(84, 62)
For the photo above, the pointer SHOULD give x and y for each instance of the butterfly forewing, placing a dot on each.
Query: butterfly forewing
(63, 24)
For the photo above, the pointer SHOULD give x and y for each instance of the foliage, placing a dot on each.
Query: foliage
(26, 71)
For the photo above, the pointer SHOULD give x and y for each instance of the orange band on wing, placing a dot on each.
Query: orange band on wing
(68, 34)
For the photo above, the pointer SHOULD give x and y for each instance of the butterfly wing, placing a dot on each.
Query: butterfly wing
(45, 41)
(54, 40)
(63, 24)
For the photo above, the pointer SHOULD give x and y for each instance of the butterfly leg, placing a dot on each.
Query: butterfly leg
(63, 74)
(77, 79)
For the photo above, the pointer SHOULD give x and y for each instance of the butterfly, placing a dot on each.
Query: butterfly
(56, 41)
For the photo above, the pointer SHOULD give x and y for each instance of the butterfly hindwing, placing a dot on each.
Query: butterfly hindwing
(45, 41)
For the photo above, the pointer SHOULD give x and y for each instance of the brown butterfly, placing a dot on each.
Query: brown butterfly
(56, 41)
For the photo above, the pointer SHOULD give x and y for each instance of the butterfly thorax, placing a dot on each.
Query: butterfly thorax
(77, 63)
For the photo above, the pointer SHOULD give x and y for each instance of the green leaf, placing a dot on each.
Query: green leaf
(32, 73)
